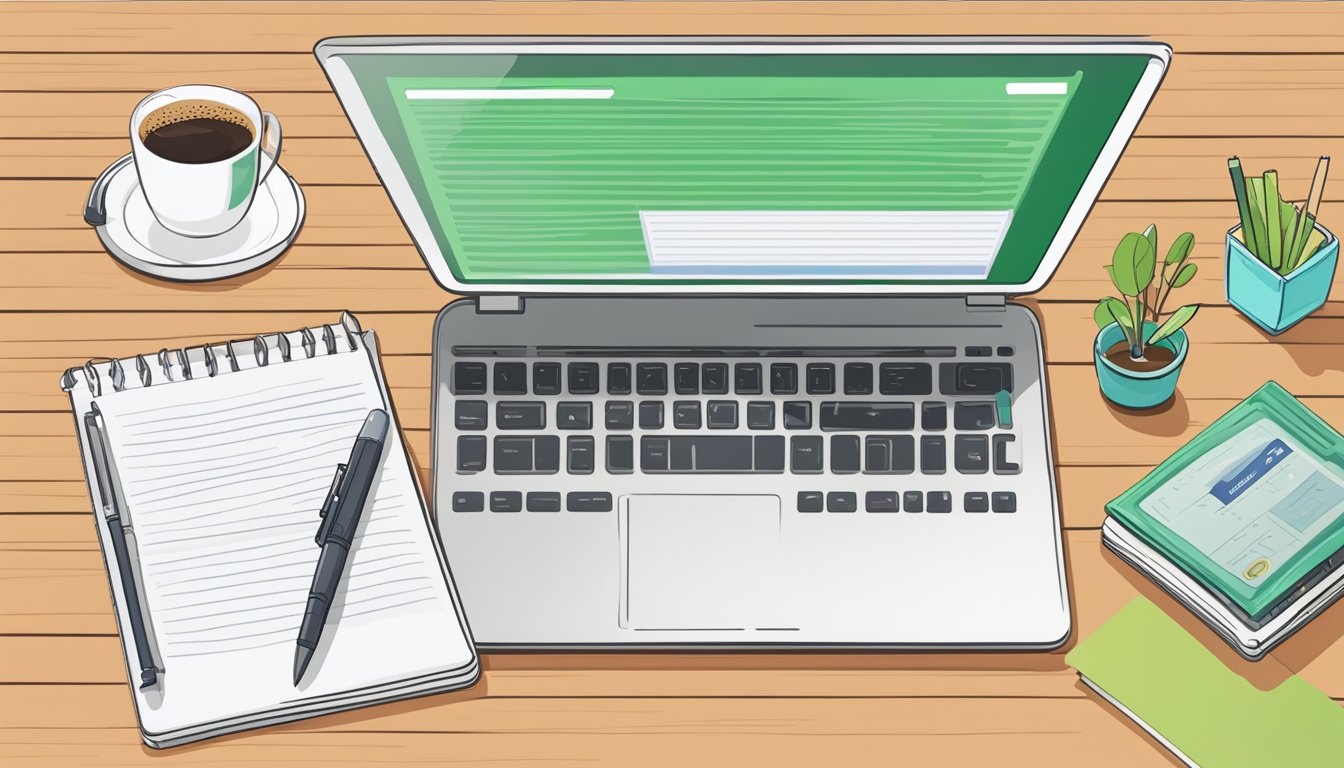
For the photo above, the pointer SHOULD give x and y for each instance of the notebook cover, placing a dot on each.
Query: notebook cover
(1174, 686)
(1321, 443)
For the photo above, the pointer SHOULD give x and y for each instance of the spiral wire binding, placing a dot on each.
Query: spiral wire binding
(168, 359)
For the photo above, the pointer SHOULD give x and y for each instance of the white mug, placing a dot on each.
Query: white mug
(210, 198)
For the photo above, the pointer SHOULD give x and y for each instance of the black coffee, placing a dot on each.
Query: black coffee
(198, 140)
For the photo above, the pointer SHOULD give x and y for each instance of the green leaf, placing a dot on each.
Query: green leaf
(1132, 264)
(1258, 243)
(1180, 249)
(1150, 234)
(1273, 221)
(1101, 314)
(1112, 310)
(1186, 274)
(1173, 324)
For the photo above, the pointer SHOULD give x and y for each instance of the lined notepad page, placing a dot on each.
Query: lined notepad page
(223, 479)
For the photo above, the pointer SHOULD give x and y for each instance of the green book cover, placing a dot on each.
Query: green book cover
(1251, 506)
(1173, 684)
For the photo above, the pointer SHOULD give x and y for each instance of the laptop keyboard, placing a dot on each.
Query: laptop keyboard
(933, 415)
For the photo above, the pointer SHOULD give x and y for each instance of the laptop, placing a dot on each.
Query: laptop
(735, 364)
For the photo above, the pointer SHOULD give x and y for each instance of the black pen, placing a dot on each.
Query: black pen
(340, 517)
(116, 531)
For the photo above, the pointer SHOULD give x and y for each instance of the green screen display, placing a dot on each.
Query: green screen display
(729, 168)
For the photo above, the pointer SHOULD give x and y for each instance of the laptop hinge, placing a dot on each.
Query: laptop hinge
(497, 304)
(985, 302)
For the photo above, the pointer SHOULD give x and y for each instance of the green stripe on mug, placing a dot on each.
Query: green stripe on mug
(244, 178)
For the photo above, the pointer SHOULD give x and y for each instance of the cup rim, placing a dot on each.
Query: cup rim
(1181, 349)
(252, 112)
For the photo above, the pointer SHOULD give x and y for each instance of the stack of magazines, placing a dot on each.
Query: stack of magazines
(1245, 524)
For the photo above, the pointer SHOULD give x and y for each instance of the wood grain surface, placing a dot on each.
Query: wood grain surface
(1261, 80)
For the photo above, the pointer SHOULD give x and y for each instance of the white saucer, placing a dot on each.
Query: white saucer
(128, 230)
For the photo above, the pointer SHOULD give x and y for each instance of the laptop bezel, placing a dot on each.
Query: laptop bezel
(369, 135)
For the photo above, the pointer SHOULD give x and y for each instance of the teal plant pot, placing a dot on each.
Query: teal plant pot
(1135, 389)
(1272, 301)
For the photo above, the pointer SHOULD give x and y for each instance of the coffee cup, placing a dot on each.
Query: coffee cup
(201, 152)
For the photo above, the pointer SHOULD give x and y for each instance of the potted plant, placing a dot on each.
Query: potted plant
(1280, 260)
(1140, 349)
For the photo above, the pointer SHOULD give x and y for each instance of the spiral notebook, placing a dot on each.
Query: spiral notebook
(218, 458)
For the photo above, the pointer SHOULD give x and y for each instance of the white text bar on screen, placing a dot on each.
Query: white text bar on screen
(1037, 89)
(504, 94)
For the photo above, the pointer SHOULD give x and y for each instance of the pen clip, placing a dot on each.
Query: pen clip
(329, 505)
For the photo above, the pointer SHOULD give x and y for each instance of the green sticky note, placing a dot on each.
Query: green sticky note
(1155, 669)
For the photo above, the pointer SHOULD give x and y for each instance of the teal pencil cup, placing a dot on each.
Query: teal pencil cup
(1272, 301)
(1138, 389)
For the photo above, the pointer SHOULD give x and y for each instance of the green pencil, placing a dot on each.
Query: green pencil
(1273, 222)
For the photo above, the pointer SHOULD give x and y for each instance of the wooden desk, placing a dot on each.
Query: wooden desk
(70, 74)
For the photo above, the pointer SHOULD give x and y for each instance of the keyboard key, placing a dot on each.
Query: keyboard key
(769, 453)
(760, 415)
(933, 417)
(653, 454)
(510, 378)
(618, 378)
(620, 414)
(783, 379)
(468, 379)
(471, 414)
(881, 501)
(546, 378)
(580, 450)
(889, 453)
(588, 501)
(933, 454)
(978, 352)
(543, 501)
(538, 454)
(806, 453)
(620, 454)
(546, 454)
(940, 502)
(651, 378)
(798, 414)
(747, 378)
(971, 454)
(975, 501)
(914, 501)
(974, 378)
(686, 378)
(820, 379)
(520, 415)
(858, 378)
(470, 453)
(844, 454)
(841, 501)
(468, 501)
(905, 379)
(714, 378)
(583, 378)
(506, 501)
(574, 416)
(1005, 351)
(651, 415)
(810, 501)
(712, 453)
(836, 415)
(1007, 455)
(973, 416)
(1003, 501)
(686, 414)
(721, 414)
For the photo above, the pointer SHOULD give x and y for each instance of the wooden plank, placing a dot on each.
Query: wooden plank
(293, 27)
(928, 731)
(1294, 95)
(1152, 168)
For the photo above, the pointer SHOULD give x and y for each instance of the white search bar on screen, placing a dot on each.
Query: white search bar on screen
(1037, 89)
(506, 94)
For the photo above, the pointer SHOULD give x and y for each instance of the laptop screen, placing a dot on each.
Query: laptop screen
(714, 168)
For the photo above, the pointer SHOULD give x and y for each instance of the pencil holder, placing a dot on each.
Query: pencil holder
(1276, 302)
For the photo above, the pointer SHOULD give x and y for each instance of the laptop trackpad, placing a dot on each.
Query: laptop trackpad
(700, 562)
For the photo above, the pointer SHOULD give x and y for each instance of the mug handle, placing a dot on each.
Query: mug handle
(270, 144)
